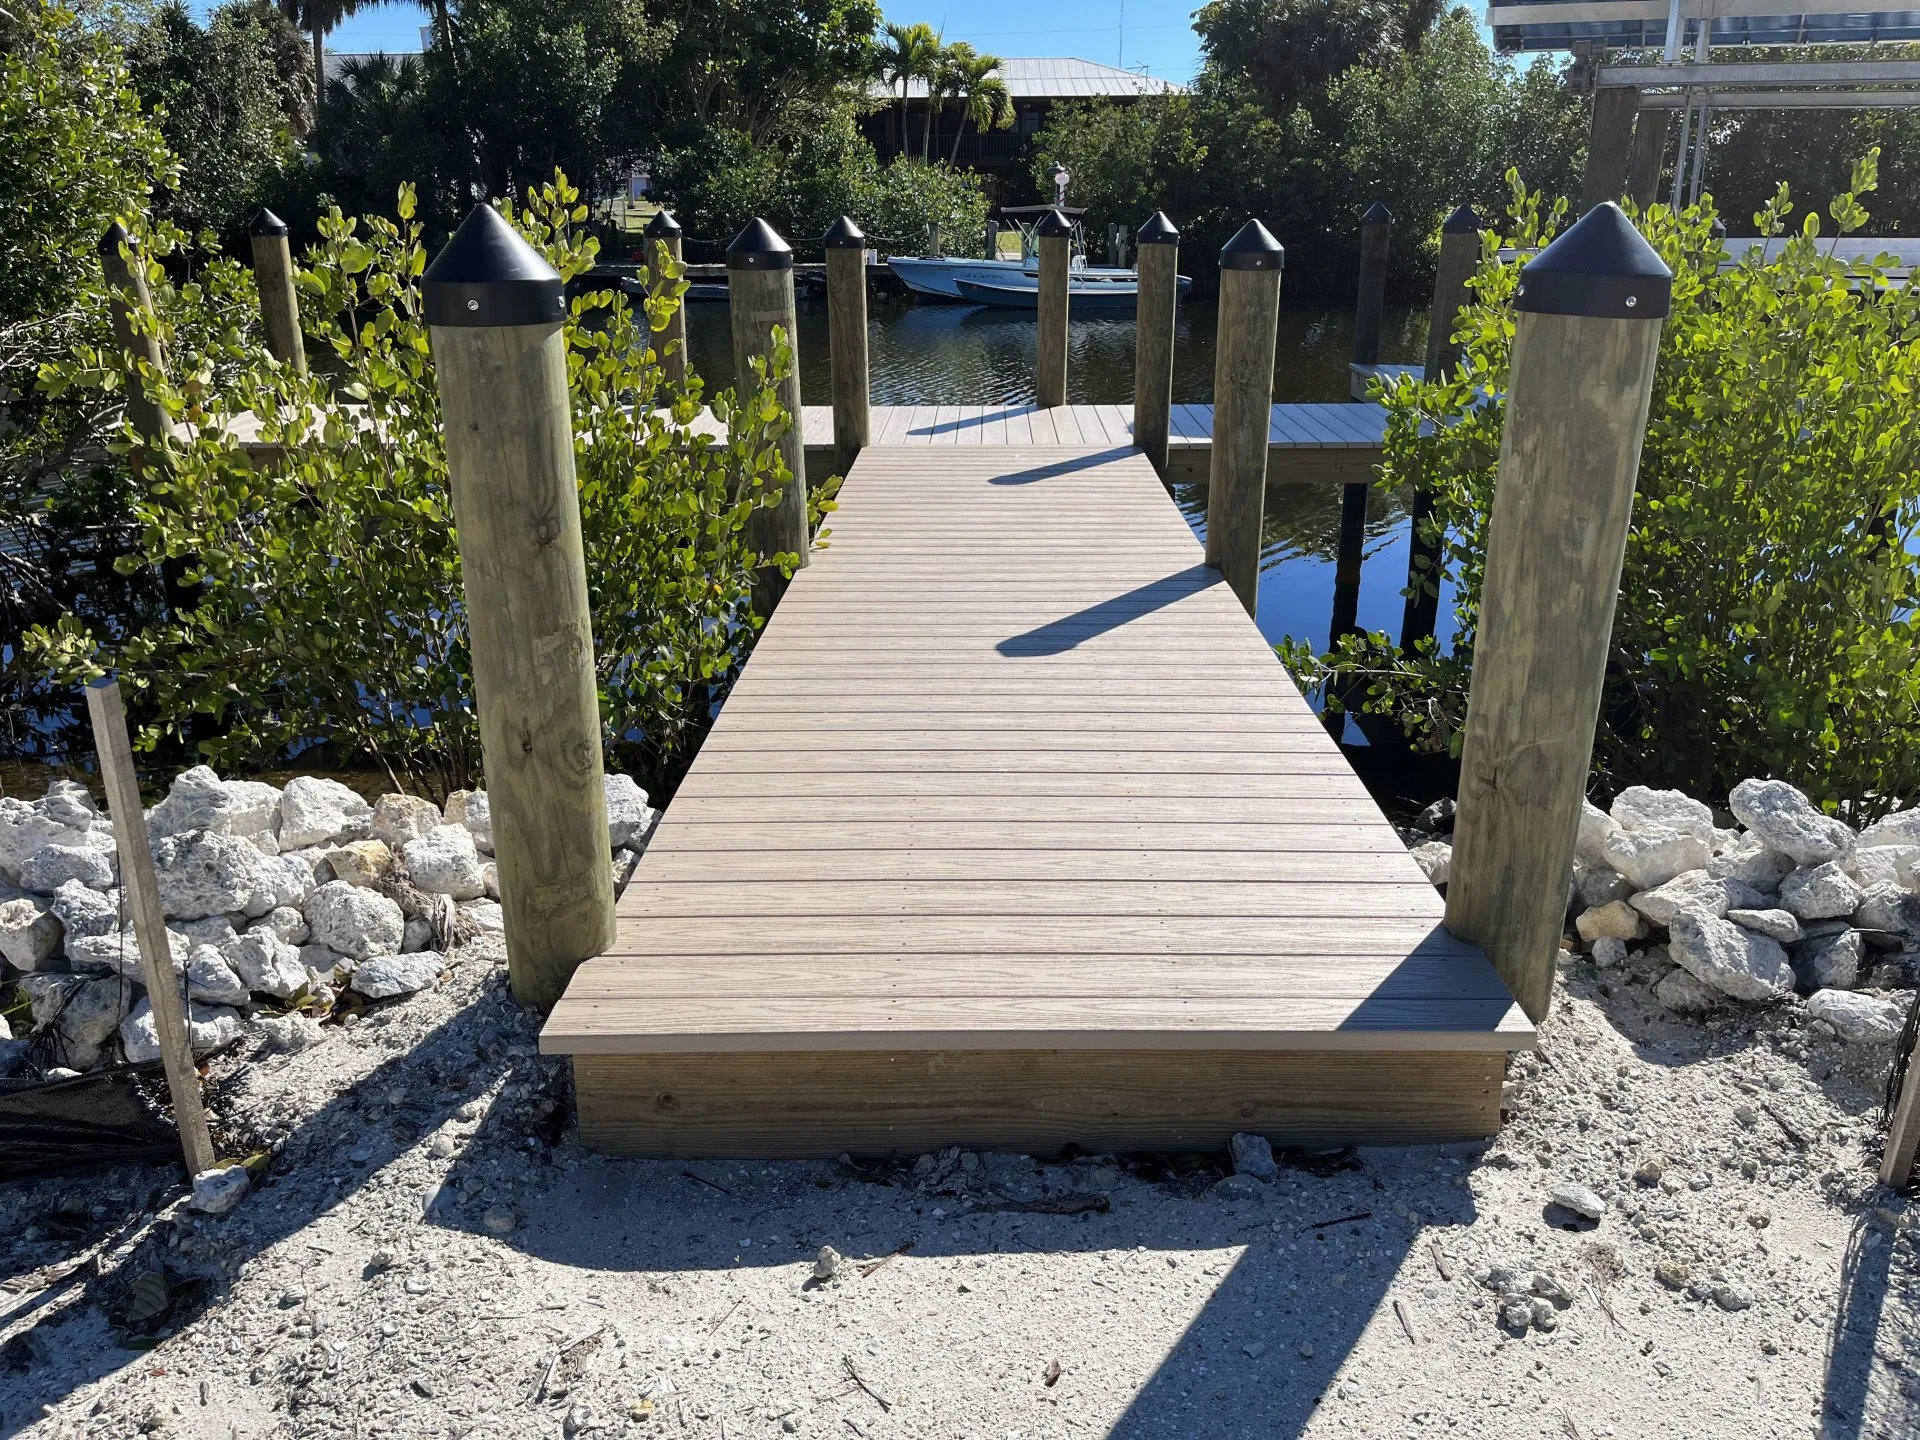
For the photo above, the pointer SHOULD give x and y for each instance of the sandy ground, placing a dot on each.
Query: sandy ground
(432, 1253)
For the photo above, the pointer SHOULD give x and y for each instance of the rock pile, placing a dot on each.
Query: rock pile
(1784, 902)
(277, 900)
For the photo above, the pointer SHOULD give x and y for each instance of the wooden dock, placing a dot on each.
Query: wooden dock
(1015, 833)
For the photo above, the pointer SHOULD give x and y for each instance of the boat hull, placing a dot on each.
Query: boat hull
(1101, 297)
(940, 278)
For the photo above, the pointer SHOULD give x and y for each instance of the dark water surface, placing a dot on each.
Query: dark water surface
(968, 355)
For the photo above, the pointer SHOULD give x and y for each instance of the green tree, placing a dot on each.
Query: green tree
(974, 80)
(909, 53)
(1289, 51)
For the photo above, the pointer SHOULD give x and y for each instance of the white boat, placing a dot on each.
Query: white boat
(939, 276)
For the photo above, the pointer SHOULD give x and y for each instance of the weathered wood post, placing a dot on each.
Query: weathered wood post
(1459, 257)
(273, 278)
(991, 240)
(164, 996)
(1586, 341)
(760, 296)
(1648, 158)
(130, 311)
(1609, 143)
(846, 250)
(1903, 1125)
(494, 309)
(671, 343)
(1056, 260)
(1369, 315)
(1153, 337)
(1250, 266)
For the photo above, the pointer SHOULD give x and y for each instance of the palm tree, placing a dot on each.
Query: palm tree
(974, 80)
(318, 17)
(909, 53)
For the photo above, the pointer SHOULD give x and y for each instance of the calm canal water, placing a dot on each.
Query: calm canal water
(967, 355)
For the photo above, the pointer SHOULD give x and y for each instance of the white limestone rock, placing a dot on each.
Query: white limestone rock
(1698, 892)
(486, 915)
(1820, 892)
(288, 1034)
(1892, 914)
(210, 979)
(208, 1028)
(445, 861)
(52, 866)
(279, 881)
(628, 818)
(419, 935)
(30, 933)
(80, 1013)
(470, 808)
(68, 802)
(1596, 828)
(1609, 952)
(115, 954)
(1874, 866)
(392, 975)
(1831, 962)
(1778, 925)
(1638, 808)
(1858, 1019)
(215, 1192)
(1435, 859)
(490, 874)
(357, 923)
(284, 921)
(201, 874)
(215, 930)
(1733, 961)
(1747, 859)
(1900, 829)
(1596, 885)
(267, 964)
(1253, 1155)
(324, 966)
(82, 910)
(1684, 995)
(1653, 856)
(399, 818)
(361, 862)
(1787, 821)
(25, 830)
(1615, 920)
(314, 811)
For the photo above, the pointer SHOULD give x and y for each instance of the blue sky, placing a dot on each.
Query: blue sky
(1157, 33)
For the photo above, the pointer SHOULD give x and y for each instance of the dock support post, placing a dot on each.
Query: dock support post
(846, 250)
(760, 291)
(494, 310)
(1586, 341)
(1159, 296)
(1459, 256)
(273, 278)
(130, 311)
(1369, 311)
(1609, 143)
(1250, 266)
(1649, 157)
(1903, 1125)
(671, 343)
(1056, 257)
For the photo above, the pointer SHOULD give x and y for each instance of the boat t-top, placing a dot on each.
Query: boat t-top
(1001, 282)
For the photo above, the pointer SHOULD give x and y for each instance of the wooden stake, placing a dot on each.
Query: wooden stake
(1056, 261)
(1153, 337)
(846, 249)
(1250, 265)
(671, 343)
(130, 310)
(279, 304)
(493, 310)
(1609, 143)
(760, 296)
(1586, 341)
(1903, 1128)
(1369, 312)
(164, 988)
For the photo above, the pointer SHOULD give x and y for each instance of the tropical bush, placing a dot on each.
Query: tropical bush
(324, 574)
(1766, 616)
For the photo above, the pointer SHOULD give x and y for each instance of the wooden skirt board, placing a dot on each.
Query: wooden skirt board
(1015, 832)
(818, 1105)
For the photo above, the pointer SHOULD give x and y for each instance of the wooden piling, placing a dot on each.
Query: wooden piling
(846, 249)
(1056, 259)
(1609, 144)
(130, 311)
(273, 279)
(137, 880)
(760, 291)
(494, 308)
(1649, 157)
(1459, 258)
(1369, 314)
(1585, 345)
(1153, 338)
(1903, 1125)
(1250, 266)
(671, 343)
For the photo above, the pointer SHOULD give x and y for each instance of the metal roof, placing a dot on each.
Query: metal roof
(1642, 24)
(1056, 78)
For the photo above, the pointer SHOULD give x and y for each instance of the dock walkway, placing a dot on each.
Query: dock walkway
(1015, 833)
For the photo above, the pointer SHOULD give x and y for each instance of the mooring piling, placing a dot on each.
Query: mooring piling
(494, 311)
(1609, 145)
(1250, 267)
(846, 248)
(760, 297)
(130, 312)
(273, 279)
(1159, 295)
(1585, 345)
(1369, 316)
(1649, 156)
(1459, 256)
(671, 343)
(1056, 258)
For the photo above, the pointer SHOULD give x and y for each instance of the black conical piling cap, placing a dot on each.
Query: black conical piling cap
(488, 275)
(1158, 230)
(267, 223)
(1601, 268)
(1465, 220)
(115, 237)
(663, 226)
(759, 247)
(1054, 224)
(1253, 248)
(843, 234)
(1377, 214)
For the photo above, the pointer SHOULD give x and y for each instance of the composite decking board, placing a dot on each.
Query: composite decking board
(1009, 771)
(1307, 426)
